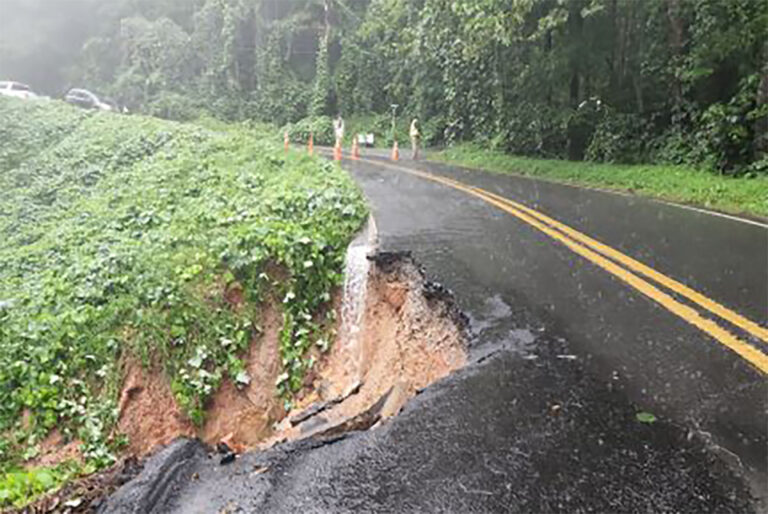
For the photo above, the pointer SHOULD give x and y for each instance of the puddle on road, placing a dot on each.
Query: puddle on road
(494, 325)
(493, 312)
(522, 339)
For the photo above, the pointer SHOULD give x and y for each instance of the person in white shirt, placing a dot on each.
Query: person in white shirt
(338, 129)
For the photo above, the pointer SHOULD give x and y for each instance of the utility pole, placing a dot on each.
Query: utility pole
(394, 120)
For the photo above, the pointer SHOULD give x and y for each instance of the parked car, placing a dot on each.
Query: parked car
(16, 90)
(87, 100)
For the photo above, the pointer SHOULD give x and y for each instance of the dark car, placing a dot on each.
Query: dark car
(87, 100)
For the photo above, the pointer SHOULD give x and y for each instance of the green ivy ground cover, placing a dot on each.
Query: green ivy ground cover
(120, 235)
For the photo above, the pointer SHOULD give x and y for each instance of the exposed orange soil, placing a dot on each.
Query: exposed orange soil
(405, 343)
(148, 413)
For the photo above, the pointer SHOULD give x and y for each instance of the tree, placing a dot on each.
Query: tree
(619, 80)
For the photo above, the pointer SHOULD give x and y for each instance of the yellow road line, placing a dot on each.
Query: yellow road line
(753, 355)
(696, 297)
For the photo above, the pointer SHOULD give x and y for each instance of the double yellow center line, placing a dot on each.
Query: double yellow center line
(612, 260)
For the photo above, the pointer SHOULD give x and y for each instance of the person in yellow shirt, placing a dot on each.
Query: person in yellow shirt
(415, 138)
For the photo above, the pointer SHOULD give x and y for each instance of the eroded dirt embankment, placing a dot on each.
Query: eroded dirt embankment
(410, 336)
(149, 416)
(407, 335)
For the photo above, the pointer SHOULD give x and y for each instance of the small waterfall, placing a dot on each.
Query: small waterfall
(356, 268)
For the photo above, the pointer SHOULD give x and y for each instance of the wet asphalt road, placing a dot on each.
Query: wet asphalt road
(666, 364)
(564, 356)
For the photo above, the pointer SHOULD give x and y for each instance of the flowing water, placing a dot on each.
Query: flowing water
(356, 269)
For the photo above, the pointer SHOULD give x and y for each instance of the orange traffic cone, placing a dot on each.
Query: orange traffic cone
(286, 141)
(355, 149)
(395, 152)
(337, 152)
(311, 145)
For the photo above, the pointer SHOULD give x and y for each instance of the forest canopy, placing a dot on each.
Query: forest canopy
(673, 81)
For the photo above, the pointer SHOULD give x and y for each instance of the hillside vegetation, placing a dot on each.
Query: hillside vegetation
(121, 236)
(621, 81)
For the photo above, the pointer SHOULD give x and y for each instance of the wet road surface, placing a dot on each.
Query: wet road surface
(565, 354)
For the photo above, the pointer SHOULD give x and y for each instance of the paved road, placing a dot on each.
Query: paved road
(570, 341)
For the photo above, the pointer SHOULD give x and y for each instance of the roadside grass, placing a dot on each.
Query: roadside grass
(121, 237)
(678, 184)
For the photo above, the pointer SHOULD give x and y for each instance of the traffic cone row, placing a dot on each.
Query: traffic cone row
(337, 152)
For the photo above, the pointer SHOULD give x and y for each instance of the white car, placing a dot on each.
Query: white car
(16, 90)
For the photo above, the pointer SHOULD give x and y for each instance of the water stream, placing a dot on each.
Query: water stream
(356, 269)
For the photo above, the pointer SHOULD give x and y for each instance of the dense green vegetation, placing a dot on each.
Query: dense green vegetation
(19, 487)
(661, 81)
(675, 183)
(624, 81)
(121, 237)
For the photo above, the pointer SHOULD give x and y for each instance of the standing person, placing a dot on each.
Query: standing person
(338, 129)
(415, 138)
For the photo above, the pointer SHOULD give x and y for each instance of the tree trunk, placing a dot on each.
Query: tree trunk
(761, 125)
(637, 42)
(577, 132)
(327, 8)
(574, 88)
(638, 93)
(548, 48)
(576, 26)
(612, 78)
(676, 44)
